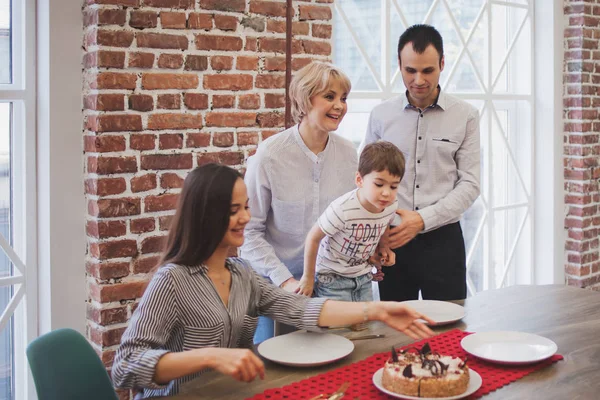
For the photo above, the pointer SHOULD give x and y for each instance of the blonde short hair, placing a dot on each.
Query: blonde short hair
(310, 80)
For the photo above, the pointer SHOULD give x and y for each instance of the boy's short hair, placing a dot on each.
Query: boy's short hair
(380, 156)
(312, 79)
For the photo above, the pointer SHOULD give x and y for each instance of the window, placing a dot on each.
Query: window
(488, 49)
(17, 201)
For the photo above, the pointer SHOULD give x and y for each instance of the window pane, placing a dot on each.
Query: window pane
(6, 269)
(5, 43)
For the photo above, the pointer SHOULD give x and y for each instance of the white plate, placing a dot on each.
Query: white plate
(442, 312)
(508, 347)
(475, 382)
(305, 349)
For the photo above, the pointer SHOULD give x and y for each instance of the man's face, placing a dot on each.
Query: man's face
(421, 74)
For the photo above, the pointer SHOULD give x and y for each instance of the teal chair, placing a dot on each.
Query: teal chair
(66, 367)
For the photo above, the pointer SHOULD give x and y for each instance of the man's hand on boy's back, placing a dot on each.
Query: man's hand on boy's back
(411, 225)
(290, 285)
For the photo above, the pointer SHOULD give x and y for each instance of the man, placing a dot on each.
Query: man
(439, 136)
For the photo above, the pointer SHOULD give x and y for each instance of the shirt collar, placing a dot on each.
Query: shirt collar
(203, 269)
(440, 100)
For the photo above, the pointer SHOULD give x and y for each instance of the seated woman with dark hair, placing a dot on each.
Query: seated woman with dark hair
(200, 309)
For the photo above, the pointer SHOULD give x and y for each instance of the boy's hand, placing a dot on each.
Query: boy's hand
(306, 285)
(378, 276)
(388, 257)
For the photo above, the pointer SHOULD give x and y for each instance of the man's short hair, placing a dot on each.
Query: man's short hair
(312, 79)
(381, 156)
(421, 36)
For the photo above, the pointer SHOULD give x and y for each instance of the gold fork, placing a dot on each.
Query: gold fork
(337, 395)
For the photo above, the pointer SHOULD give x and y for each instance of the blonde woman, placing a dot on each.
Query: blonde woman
(295, 175)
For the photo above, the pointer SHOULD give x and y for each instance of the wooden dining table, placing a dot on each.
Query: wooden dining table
(569, 316)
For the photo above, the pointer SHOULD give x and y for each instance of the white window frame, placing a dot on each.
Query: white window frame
(545, 199)
(21, 92)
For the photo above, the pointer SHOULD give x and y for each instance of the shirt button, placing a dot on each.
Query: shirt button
(416, 208)
(420, 138)
(418, 161)
(417, 186)
(421, 115)
(316, 180)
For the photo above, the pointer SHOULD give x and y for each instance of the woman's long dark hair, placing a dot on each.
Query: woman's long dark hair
(202, 216)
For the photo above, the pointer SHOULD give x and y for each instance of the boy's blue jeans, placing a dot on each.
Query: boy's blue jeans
(342, 288)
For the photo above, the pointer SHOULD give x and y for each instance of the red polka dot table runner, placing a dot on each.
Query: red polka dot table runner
(360, 374)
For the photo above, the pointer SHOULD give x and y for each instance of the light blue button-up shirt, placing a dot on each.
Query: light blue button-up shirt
(289, 187)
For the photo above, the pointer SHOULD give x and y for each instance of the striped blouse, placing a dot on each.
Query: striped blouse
(181, 310)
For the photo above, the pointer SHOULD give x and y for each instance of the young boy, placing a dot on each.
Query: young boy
(347, 234)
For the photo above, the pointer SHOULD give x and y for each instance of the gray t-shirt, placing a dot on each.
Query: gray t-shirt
(352, 234)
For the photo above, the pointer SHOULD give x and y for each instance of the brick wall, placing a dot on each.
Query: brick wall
(582, 141)
(170, 85)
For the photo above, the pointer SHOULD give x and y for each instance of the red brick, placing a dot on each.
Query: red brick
(225, 157)
(223, 101)
(104, 102)
(247, 63)
(165, 222)
(247, 138)
(174, 121)
(141, 102)
(111, 165)
(152, 81)
(312, 47)
(271, 119)
(142, 225)
(107, 229)
(163, 202)
(195, 101)
(118, 292)
(142, 142)
(172, 61)
(196, 63)
(153, 244)
(132, 3)
(104, 16)
(170, 180)
(310, 12)
(141, 60)
(268, 8)
(114, 38)
(105, 59)
(169, 101)
(298, 28)
(223, 139)
(115, 80)
(105, 186)
(104, 144)
(143, 183)
(166, 161)
(225, 22)
(170, 141)
(143, 19)
(108, 316)
(221, 62)
(228, 82)
(276, 45)
(145, 264)
(108, 270)
(249, 101)
(274, 100)
(200, 21)
(321, 31)
(251, 44)
(224, 5)
(115, 123)
(110, 208)
(170, 3)
(231, 119)
(213, 42)
(172, 20)
(270, 81)
(198, 140)
(162, 41)
(278, 63)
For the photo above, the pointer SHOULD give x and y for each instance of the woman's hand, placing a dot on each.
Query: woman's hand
(241, 364)
(306, 285)
(402, 318)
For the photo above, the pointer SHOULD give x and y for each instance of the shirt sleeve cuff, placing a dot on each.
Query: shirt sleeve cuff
(147, 366)
(312, 311)
(428, 216)
(280, 275)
